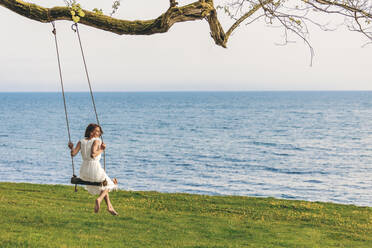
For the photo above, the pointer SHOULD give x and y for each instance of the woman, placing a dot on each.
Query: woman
(91, 147)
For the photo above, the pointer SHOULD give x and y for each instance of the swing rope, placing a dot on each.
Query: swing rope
(75, 180)
(54, 31)
(75, 28)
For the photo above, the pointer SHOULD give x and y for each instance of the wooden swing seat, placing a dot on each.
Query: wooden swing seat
(76, 180)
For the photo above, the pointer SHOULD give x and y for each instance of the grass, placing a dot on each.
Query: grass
(33, 215)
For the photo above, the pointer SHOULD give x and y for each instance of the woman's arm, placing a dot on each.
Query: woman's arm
(97, 148)
(75, 150)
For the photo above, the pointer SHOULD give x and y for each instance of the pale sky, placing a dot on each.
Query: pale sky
(185, 58)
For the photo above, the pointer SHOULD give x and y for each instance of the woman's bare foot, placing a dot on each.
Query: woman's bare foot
(97, 206)
(112, 211)
(115, 181)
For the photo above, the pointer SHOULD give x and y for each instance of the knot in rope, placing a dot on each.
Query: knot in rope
(54, 31)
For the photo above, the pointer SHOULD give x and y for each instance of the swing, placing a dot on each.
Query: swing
(74, 179)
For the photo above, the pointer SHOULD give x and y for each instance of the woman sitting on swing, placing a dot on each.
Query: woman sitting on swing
(91, 147)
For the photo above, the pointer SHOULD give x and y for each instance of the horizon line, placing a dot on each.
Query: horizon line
(185, 91)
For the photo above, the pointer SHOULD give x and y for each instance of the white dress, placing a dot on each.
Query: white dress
(91, 169)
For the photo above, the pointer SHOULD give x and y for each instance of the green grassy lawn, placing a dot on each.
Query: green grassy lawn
(34, 215)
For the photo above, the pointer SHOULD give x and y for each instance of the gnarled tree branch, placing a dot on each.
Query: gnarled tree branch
(199, 10)
(289, 17)
(194, 11)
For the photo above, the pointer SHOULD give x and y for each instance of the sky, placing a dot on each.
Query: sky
(183, 59)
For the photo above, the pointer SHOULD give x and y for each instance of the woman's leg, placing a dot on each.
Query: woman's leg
(99, 200)
(110, 208)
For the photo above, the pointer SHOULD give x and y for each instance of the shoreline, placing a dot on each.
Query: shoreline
(198, 194)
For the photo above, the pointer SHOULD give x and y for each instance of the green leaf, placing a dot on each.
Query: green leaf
(81, 13)
(72, 12)
(98, 11)
(76, 19)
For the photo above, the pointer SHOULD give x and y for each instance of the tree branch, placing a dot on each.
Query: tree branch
(195, 11)
(358, 12)
(245, 16)
(345, 6)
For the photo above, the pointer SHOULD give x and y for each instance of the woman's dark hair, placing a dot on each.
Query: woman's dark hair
(90, 129)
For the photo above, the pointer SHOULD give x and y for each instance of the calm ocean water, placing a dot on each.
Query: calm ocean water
(314, 146)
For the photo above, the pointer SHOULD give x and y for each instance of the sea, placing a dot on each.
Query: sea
(300, 145)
